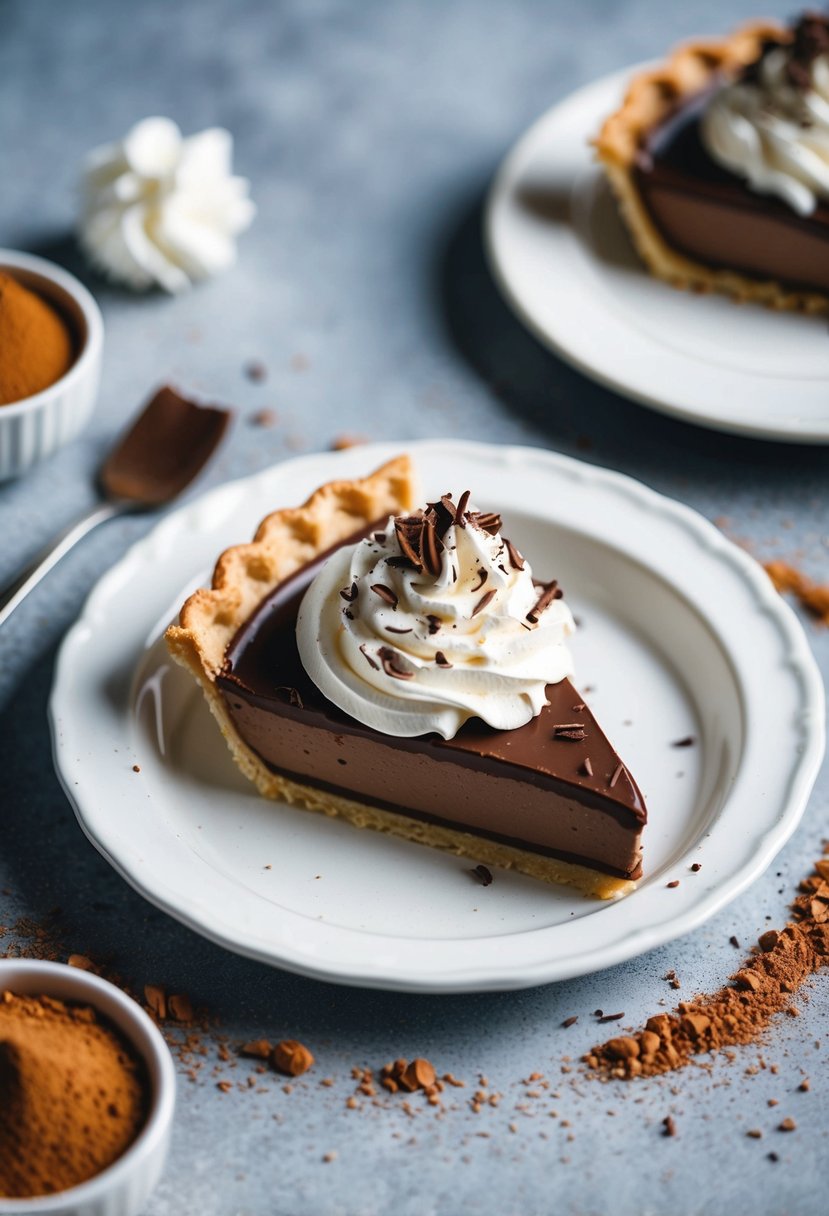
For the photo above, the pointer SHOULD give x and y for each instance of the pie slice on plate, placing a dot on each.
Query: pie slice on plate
(719, 159)
(402, 670)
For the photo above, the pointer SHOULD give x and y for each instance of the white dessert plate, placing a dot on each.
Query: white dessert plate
(566, 265)
(681, 635)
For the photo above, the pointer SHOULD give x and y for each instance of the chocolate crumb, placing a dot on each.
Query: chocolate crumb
(611, 1017)
(571, 1021)
(696, 867)
(754, 1133)
(441, 660)
(688, 741)
(343, 442)
(772, 1157)
(349, 594)
(136, 768)
(264, 418)
(672, 885)
(434, 622)
(668, 1126)
(734, 942)
(804, 1086)
(256, 371)
(787, 1125)
(483, 874)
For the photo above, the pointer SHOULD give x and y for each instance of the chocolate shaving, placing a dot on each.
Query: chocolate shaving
(290, 695)
(617, 772)
(368, 657)
(516, 560)
(551, 592)
(688, 741)
(486, 521)
(431, 548)
(390, 660)
(586, 767)
(482, 873)
(460, 510)
(434, 622)
(386, 594)
(482, 603)
(349, 594)
(570, 730)
(571, 1021)
(612, 1017)
(419, 541)
(441, 660)
(483, 576)
(393, 629)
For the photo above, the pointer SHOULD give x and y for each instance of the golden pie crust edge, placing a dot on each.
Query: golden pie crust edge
(651, 96)
(246, 574)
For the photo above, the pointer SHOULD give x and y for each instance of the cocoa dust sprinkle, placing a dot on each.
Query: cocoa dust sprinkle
(738, 1013)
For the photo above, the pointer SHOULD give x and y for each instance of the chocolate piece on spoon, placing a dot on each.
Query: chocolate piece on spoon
(169, 443)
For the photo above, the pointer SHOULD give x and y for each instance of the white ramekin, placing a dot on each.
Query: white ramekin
(37, 426)
(124, 1187)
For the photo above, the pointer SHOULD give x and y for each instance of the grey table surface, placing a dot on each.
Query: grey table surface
(370, 131)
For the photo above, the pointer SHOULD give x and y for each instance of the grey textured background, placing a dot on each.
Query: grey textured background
(370, 131)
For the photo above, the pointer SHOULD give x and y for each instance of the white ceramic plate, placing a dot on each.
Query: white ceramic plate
(681, 634)
(566, 265)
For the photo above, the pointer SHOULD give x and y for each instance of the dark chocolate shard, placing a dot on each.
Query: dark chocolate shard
(349, 594)
(551, 592)
(386, 594)
(483, 602)
(441, 660)
(516, 559)
(391, 664)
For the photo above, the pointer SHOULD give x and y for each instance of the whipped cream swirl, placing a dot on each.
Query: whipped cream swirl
(162, 210)
(771, 127)
(432, 621)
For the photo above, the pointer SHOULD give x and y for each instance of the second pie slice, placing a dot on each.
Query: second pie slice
(400, 668)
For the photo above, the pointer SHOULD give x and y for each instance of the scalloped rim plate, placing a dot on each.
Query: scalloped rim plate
(565, 264)
(672, 610)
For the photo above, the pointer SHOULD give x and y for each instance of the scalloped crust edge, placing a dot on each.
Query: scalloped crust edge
(650, 96)
(244, 575)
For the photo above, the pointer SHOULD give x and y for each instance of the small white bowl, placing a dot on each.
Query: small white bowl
(35, 427)
(124, 1187)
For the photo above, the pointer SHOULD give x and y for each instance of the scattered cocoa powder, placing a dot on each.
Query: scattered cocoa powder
(739, 1013)
(74, 1095)
(813, 596)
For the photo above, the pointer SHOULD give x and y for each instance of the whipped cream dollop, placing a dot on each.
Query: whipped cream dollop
(771, 126)
(159, 209)
(434, 620)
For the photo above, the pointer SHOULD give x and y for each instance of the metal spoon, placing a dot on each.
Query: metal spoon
(167, 445)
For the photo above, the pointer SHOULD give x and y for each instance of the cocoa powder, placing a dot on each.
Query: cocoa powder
(74, 1095)
(738, 1013)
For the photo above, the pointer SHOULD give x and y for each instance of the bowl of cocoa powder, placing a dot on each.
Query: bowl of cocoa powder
(51, 343)
(87, 1092)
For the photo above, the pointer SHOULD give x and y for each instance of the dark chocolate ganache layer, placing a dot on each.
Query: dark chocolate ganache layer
(709, 214)
(554, 786)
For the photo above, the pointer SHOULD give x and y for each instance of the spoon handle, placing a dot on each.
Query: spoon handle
(28, 578)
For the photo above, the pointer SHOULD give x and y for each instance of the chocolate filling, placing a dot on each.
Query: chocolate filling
(709, 214)
(550, 786)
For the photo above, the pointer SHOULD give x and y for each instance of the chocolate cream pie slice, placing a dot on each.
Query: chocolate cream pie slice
(719, 159)
(401, 669)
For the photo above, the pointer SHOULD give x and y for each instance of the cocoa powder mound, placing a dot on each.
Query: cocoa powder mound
(737, 1014)
(74, 1095)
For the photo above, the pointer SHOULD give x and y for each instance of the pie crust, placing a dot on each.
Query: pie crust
(244, 576)
(650, 98)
